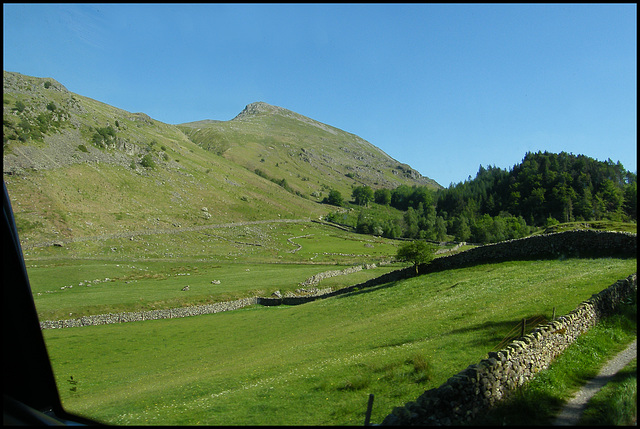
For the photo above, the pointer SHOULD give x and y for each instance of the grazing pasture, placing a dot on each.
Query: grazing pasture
(69, 289)
(148, 271)
(315, 363)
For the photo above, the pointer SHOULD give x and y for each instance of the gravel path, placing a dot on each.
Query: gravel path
(572, 411)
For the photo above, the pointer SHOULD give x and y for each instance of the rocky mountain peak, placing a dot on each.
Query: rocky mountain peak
(257, 108)
(260, 107)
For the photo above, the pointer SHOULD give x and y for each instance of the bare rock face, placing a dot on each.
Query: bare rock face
(257, 108)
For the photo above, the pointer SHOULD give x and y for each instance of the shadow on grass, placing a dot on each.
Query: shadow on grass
(530, 409)
(362, 290)
(499, 334)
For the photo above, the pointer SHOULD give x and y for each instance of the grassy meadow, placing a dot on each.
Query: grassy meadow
(156, 285)
(144, 272)
(313, 364)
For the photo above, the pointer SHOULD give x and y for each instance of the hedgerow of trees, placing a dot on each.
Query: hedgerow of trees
(543, 190)
(334, 198)
(362, 195)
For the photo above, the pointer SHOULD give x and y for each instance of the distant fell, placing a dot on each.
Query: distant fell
(261, 108)
(312, 156)
(76, 167)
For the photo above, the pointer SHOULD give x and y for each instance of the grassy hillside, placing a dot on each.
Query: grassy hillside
(314, 364)
(87, 200)
(312, 157)
(76, 167)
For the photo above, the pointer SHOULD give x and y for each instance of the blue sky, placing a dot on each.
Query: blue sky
(443, 88)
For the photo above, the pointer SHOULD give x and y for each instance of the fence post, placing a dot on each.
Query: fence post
(367, 416)
(524, 324)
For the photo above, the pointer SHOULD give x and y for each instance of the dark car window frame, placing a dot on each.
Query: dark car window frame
(30, 394)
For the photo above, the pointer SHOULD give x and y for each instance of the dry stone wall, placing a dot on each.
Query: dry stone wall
(393, 276)
(566, 244)
(477, 388)
(559, 245)
(581, 243)
(315, 279)
(136, 316)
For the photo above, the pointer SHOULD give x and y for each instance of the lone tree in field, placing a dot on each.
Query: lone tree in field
(418, 252)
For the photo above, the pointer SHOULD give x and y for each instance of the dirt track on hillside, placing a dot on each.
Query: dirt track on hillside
(129, 234)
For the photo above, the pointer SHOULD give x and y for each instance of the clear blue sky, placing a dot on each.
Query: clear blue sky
(443, 88)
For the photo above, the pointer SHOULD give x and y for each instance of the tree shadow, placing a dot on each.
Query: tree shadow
(360, 289)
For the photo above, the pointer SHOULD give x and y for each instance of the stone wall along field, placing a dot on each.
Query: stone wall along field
(478, 387)
(559, 245)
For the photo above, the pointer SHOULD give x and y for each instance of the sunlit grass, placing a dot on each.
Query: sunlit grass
(149, 271)
(318, 362)
(71, 289)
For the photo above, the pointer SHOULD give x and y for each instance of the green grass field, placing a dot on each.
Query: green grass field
(145, 272)
(313, 364)
(106, 287)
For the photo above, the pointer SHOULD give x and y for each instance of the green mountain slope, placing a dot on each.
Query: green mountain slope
(76, 167)
(311, 156)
